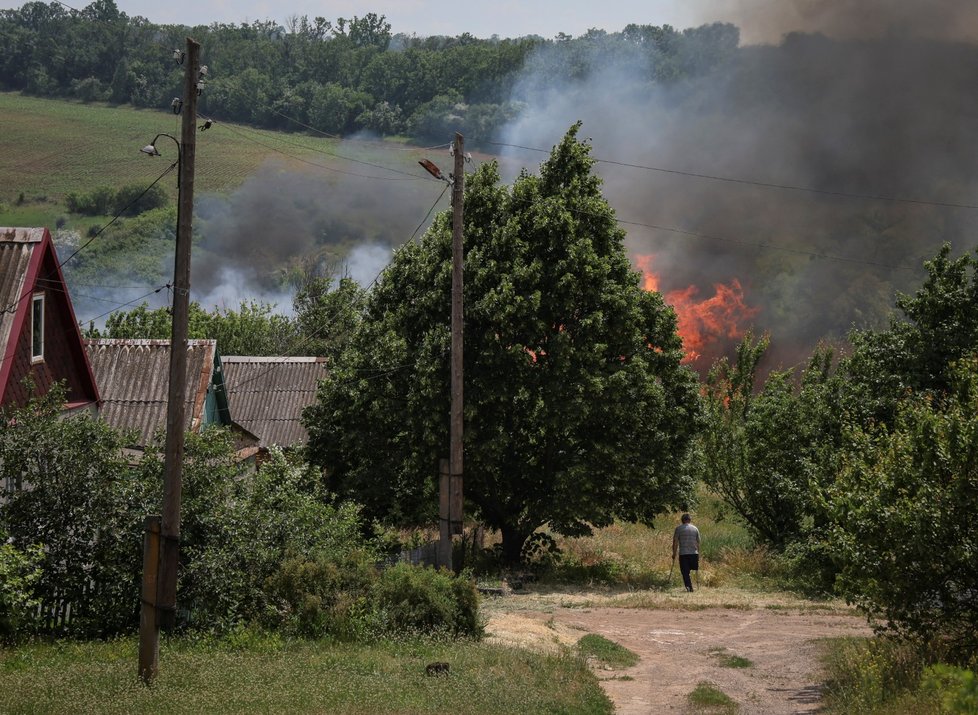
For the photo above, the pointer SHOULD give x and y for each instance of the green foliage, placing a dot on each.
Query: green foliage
(877, 675)
(729, 660)
(958, 688)
(19, 573)
(324, 595)
(253, 329)
(577, 410)
(97, 202)
(73, 492)
(130, 200)
(761, 448)
(606, 652)
(425, 600)
(938, 327)
(335, 75)
(238, 533)
(902, 512)
(327, 315)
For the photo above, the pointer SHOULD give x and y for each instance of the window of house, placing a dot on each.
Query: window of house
(37, 328)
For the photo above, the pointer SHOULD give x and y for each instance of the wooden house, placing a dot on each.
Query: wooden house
(39, 336)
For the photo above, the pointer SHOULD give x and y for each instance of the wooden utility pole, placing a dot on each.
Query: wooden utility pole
(149, 633)
(176, 406)
(169, 530)
(451, 522)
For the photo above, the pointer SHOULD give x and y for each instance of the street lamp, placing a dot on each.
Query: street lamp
(151, 150)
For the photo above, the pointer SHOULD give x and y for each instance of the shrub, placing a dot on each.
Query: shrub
(323, 596)
(425, 600)
(75, 493)
(135, 199)
(97, 202)
(958, 688)
(19, 573)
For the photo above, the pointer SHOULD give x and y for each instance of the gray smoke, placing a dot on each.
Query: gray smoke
(769, 20)
(875, 111)
(288, 223)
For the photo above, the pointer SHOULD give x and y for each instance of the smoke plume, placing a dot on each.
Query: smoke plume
(286, 224)
(884, 107)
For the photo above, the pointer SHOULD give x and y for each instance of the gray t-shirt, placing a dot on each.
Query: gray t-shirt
(688, 537)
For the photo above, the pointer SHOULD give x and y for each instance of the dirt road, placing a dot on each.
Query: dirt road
(681, 648)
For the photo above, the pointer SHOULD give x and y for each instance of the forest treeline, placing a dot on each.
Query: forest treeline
(337, 76)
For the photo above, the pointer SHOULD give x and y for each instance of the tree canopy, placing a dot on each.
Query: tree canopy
(577, 410)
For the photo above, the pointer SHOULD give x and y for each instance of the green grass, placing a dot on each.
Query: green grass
(707, 697)
(729, 660)
(51, 147)
(606, 652)
(272, 676)
(639, 556)
(876, 676)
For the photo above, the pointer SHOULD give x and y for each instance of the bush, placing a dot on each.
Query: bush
(97, 202)
(75, 493)
(19, 573)
(957, 687)
(135, 199)
(323, 596)
(425, 600)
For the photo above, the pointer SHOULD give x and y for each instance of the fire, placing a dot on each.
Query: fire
(701, 323)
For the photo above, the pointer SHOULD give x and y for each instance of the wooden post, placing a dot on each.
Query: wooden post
(176, 396)
(455, 453)
(149, 634)
(444, 515)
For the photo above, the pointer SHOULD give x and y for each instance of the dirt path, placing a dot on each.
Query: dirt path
(678, 649)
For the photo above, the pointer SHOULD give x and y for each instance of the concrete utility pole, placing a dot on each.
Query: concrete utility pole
(451, 487)
(169, 530)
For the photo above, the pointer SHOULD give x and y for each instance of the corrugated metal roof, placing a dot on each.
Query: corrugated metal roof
(16, 248)
(267, 395)
(133, 378)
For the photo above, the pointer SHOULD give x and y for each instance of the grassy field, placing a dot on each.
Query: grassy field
(271, 676)
(49, 148)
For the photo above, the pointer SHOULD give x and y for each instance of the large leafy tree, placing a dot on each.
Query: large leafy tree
(903, 521)
(577, 410)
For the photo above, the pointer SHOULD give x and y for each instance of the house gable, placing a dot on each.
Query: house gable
(32, 277)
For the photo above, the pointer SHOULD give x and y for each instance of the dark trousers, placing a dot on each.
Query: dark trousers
(687, 563)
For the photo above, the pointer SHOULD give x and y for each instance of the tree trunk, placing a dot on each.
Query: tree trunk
(513, 538)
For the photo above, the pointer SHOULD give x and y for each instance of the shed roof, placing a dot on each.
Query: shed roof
(133, 378)
(267, 395)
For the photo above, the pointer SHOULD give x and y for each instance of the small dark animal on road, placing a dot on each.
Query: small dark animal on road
(437, 669)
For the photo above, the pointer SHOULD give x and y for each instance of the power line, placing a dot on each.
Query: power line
(752, 244)
(763, 184)
(119, 214)
(123, 305)
(13, 306)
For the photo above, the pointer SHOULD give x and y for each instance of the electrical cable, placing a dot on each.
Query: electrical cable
(763, 184)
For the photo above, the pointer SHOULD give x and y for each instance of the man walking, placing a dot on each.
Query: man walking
(686, 541)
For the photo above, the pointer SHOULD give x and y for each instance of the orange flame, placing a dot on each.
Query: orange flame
(701, 323)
